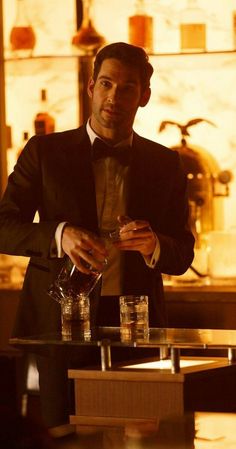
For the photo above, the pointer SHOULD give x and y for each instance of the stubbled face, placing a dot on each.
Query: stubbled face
(116, 95)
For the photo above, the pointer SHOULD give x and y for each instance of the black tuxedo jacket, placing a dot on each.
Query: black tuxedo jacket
(54, 176)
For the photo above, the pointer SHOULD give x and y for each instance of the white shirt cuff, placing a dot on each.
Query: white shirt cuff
(152, 260)
(56, 248)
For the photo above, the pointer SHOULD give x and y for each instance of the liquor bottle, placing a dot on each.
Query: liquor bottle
(192, 28)
(22, 35)
(234, 30)
(87, 38)
(140, 27)
(11, 160)
(44, 123)
(25, 138)
(8, 136)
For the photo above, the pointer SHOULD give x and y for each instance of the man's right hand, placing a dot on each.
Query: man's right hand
(83, 247)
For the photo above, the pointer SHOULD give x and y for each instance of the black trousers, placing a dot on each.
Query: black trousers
(56, 390)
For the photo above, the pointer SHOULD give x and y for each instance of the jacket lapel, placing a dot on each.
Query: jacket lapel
(148, 181)
(138, 181)
(79, 171)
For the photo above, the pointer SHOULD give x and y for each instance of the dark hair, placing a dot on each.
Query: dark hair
(129, 55)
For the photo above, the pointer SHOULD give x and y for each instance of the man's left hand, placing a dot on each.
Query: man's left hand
(137, 235)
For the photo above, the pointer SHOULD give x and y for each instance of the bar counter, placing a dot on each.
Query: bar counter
(201, 306)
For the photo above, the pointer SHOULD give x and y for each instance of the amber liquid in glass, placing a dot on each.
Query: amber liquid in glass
(75, 316)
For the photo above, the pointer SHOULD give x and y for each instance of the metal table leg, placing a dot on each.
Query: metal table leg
(175, 360)
(164, 352)
(105, 355)
(232, 355)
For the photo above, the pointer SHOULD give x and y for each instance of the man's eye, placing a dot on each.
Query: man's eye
(105, 83)
(128, 88)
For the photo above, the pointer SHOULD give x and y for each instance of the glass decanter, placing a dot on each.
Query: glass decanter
(71, 290)
(71, 282)
(87, 39)
(22, 35)
(234, 30)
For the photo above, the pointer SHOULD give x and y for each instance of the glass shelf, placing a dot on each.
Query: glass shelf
(72, 56)
(212, 52)
(31, 65)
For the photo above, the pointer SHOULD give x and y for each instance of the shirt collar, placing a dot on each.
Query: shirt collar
(92, 136)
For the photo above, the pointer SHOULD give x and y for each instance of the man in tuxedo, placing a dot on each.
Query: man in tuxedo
(83, 182)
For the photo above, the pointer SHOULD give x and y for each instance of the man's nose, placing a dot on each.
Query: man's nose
(112, 97)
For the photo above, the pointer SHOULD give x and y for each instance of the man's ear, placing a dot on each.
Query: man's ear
(90, 87)
(145, 97)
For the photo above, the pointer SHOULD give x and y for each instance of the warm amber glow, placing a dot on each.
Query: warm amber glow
(183, 86)
(215, 430)
(166, 364)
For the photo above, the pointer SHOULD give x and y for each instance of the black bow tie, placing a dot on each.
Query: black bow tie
(101, 149)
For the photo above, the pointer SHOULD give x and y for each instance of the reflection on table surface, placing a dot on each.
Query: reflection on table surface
(171, 337)
(192, 431)
(215, 430)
